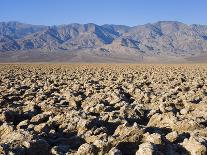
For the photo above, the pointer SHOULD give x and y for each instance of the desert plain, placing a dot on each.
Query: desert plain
(97, 109)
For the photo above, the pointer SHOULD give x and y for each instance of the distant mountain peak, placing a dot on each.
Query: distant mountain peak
(154, 39)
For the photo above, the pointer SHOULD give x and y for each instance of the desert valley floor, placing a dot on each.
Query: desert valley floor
(95, 109)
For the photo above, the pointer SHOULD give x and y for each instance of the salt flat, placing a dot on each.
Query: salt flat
(103, 109)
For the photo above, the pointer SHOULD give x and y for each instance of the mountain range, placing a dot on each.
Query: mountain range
(163, 41)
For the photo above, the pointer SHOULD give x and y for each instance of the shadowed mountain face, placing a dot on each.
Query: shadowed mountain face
(165, 38)
(18, 30)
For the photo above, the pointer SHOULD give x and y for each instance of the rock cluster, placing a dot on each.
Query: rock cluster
(103, 109)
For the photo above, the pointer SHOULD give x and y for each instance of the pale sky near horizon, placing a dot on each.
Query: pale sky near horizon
(123, 12)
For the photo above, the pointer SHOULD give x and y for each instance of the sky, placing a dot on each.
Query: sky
(121, 12)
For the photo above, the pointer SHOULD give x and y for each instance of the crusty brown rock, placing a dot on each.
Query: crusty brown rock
(100, 109)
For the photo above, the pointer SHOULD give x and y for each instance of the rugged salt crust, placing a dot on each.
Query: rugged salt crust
(103, 109)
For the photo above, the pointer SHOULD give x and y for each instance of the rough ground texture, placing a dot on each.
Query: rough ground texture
(103, 109)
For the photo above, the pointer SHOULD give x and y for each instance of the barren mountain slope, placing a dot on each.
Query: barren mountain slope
(162, 39)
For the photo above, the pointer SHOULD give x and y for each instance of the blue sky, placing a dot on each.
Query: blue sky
(125, 12)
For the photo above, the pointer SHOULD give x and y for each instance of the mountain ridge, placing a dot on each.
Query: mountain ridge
(160, 39)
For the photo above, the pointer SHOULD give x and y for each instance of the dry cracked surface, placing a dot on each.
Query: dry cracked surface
(55, 109)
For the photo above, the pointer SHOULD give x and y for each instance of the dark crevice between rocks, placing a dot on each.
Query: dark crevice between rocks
(111, 108)
(204, 123)
(81, 93)
(128, 148)
(12, 97)
(128, 97)
(73, 142)
(143, 120)
(105, 102)
(175, 110)
(60, 139)
(169, 148)
(94, 114)
(96, 123)
(9, 100)
(196, 101)
(78, 105)
(181, 137)
(158, 130)
(16, 117)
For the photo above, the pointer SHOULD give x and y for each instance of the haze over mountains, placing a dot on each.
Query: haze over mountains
(164, 40)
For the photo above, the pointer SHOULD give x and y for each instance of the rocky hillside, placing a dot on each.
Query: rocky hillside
(158, 39)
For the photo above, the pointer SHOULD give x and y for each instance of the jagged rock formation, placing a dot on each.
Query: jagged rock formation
(103, 109)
